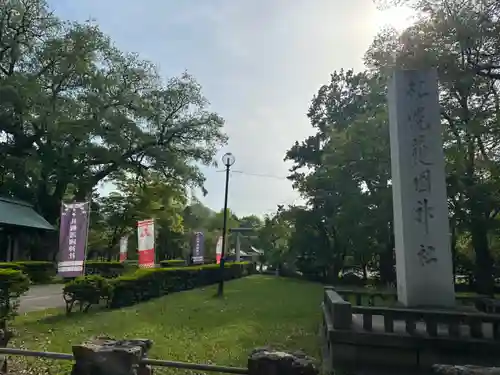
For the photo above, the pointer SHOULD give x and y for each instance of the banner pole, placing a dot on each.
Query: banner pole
(59, 237)
(87, 234)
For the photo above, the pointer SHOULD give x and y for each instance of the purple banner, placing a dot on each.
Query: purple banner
(198, 248)
(73, 238)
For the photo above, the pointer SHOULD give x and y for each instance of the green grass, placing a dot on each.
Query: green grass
(189, 326)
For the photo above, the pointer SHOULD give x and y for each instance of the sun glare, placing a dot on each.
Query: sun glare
(398, 17)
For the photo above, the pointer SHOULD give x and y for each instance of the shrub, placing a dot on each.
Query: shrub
(87, 291)
(11, 266)
(145, 284)
(104, 269)
(173, 263)
(13, 284)
(39, 272)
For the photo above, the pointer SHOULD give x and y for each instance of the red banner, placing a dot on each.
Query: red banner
(146, 243)
(218, 250)
(147, 258)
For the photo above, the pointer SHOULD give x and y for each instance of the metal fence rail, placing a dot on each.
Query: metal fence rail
(151, 362)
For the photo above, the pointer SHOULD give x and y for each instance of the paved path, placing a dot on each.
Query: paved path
(41, 297)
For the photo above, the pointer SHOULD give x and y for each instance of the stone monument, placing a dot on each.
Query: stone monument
(421, 227)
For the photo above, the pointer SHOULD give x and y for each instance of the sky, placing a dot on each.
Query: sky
(259, 62)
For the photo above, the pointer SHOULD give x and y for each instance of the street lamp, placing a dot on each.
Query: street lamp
(228, 160)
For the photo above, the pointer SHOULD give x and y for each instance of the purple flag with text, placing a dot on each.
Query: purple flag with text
(73, 232)
(198, 248)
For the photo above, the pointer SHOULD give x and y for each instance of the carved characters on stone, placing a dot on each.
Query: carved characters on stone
(422, 163)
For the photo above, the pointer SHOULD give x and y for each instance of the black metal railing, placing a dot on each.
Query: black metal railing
(151, 362)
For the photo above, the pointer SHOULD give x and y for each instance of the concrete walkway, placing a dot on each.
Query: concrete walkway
(41, 297)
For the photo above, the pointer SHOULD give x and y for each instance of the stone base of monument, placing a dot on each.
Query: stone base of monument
(414, 339)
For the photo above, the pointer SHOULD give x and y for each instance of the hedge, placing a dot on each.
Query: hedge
(87, 291)
(104, 269)
(37, 271)
(11, 266)
(13, 284)
(145, 284)
(173, 263)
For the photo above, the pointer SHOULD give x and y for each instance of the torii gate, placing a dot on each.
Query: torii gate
(238, 232)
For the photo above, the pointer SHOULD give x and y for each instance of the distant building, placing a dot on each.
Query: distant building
(252, 254)
(17, 219)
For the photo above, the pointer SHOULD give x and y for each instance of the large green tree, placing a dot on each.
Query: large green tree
(344, 172)
(116, 215)
(461, 39)
(75, 110)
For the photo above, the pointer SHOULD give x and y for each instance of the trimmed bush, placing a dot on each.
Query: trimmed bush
(146, 284)
(173, 263)
(13, 284)
(39, 272)
(104, 269)
(87, 291)
(11, 266)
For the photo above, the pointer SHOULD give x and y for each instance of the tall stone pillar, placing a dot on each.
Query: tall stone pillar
(421, 226)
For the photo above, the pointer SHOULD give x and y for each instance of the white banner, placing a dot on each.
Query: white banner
(146, 234)
(218, 248)
(146, 243)
(123, 248)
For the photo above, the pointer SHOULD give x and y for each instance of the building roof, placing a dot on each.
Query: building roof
(260, 252)
(19, 213)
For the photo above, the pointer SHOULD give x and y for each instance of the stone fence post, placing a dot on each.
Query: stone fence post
(106, 356)
(272, 362)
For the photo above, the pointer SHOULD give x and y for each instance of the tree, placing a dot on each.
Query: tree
(273, 239)
(76, 110)
(345, 175)
(344, 169)
(251, 221)
(461, 39)
(118, 213)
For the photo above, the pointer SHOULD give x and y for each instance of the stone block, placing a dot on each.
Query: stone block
(342, 315)
(264, 361)
(107, 356)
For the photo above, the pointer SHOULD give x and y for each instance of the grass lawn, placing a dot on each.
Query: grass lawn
(190, 326)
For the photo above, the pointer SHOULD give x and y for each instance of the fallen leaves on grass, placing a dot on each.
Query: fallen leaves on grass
(189, 326)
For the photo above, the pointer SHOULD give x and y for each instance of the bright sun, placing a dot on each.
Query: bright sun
(398, 17)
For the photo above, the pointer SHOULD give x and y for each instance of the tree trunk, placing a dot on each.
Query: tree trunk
(485, 283)
(387, 264)
(334, 271)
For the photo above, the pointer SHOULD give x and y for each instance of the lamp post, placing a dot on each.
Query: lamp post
(228, 160)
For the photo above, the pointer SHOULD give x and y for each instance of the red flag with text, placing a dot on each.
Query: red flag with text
(218, 250)
(146, 243)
